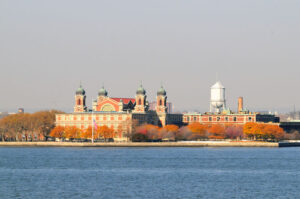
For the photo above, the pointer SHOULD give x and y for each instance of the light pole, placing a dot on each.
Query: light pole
(92, 121)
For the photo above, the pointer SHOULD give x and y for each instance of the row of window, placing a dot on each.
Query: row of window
(85, 126)
(196, 119)
(102, 117)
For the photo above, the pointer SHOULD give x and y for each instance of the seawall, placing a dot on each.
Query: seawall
(140, 144)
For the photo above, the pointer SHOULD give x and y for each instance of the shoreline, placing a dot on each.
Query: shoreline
(147, 144)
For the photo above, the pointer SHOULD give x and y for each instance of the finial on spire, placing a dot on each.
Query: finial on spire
(80, 90)
(140, 89)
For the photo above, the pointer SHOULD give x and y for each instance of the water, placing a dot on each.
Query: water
(149, 173)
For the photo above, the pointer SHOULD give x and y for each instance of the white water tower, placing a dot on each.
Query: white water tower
(217, 97)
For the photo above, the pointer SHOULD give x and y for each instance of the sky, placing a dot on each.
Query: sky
(48, 47)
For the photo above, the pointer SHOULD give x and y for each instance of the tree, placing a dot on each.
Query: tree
(199, 131)
(87, 133)
(131, 126)
(262, 131)
(248, 129)
(184, 133)
(169, 132)
(151, 131)
(45, 122)
(171, 128)
(106, 132)
(58, 132)
(234, 132)
(273, 132)
(294, 135)
(217, 132)
(72, 132)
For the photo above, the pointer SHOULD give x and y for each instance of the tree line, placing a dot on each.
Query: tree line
(27, 126)
(198, 131)
(41, 125)
(74, 133)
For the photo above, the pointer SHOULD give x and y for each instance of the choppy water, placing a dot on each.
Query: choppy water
(149, 173)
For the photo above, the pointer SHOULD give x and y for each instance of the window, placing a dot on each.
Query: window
(78, 102)
(188, 119)
(210, 119)
(249, 118)
(140, 102)
(234, 119)
(160, 102)
(108, 108)
(226, 119)
(218, 118)
(195, 118)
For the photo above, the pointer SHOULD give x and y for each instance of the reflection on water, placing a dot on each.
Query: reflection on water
(149, 172)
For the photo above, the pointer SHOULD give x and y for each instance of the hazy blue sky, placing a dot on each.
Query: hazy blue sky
(47, 47)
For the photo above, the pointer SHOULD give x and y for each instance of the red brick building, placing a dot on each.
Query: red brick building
(121, 114)
(229, 118)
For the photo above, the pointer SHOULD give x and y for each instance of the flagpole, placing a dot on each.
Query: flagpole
(92, 122)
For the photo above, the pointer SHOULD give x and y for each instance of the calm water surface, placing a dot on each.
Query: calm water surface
(149, 173)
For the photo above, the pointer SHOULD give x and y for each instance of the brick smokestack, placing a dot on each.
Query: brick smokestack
(240, 104)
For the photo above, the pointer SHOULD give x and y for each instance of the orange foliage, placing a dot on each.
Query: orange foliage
(263, 131)
(72, 132)
(171, 128)
(248, 129)
(58, 132)
(105, 132)
(87, 133)
(217, 132)
(273, 132)
(198, 130)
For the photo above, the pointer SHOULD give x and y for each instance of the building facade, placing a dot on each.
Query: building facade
(219, 114)
(120, 114)
(229, 118)
(124, 114)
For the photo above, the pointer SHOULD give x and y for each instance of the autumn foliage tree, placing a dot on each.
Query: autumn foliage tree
(58, 132)
(216, 132)
(262, 131)
(72, 132)
(169, 132)
(149, 131)
(234, 132)
(199, 131)
(27, 126)
(105, 132)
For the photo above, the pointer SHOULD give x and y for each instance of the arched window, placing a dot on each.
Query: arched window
(140, 101)
(78, 102)
(160, 102)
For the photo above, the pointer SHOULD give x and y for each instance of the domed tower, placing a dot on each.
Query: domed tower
(161, 101)
(140, 100)
(217, 98)
(102, 94)
(80, 100)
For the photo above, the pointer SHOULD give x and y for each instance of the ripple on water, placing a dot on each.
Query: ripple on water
(149, 173)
